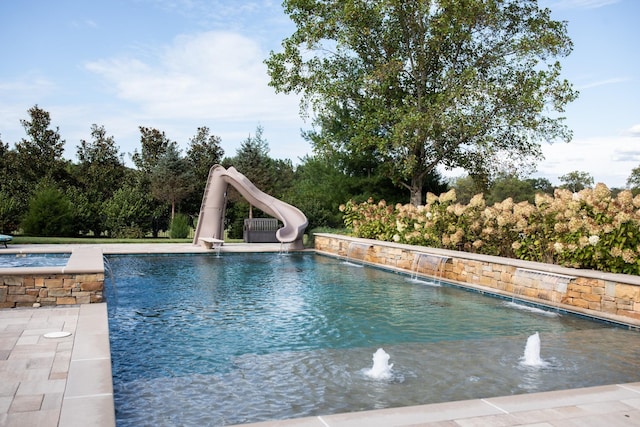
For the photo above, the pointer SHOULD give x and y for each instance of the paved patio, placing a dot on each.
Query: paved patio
(62, 381)
(66, 381)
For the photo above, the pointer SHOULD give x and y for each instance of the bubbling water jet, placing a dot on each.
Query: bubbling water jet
(532, 351)
(381, 369)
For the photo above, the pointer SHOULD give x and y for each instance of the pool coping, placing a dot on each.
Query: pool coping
(81, 260)
(88, 396)
(88, 393)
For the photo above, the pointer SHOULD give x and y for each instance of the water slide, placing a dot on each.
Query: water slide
(214, 201)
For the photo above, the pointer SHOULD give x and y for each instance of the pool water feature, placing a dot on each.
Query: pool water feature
(34, 260)
(206, 340)
(531, 355)
(381, 369)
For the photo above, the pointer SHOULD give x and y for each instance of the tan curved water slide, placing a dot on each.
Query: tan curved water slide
(214, 200)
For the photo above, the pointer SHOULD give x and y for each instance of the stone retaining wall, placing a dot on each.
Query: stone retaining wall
(50, 289)
(613, 297)
(81, 281)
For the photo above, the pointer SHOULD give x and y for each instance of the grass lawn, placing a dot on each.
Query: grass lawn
(35, 240)
(23, 240)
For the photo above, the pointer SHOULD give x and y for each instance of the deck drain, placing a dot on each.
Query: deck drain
(59, 334)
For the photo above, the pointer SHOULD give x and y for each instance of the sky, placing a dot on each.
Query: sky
(177, 65)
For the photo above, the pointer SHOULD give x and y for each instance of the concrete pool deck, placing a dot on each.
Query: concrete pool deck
(66, 381)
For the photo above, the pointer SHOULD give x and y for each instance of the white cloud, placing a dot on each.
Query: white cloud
(263, 17)
(605, 82)
(580, 4)
(214, 79)
(207, 75)
(16, 97)
(608, 159)
(634, 130)
(86, 23)
(28, 85)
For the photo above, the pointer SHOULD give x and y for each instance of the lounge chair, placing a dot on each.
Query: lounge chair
(4, 239)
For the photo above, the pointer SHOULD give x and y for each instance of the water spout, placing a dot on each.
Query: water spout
(435, 263)
(381, 369)
(357, 251)
(532, 352)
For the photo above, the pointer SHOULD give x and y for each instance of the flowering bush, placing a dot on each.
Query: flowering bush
(590, 229)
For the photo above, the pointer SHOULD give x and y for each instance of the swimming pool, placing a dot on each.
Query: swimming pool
(206, 340)
(33, 260)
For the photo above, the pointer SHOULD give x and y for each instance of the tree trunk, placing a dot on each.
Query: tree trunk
(416, 191)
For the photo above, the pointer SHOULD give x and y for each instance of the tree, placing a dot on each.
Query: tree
(40, 154)
(128, 213)
(171, 179)
(4, 152)
(364, 174)
(271, 176)
(425, 83)
(318, 189)
(154, 145)
(633, 181)
(510, 186)
(100, 172)
(253, 161)
(203, 152)
(11, 205)
(466, 187)
(9, 213)
(576, 181)
(541, 185)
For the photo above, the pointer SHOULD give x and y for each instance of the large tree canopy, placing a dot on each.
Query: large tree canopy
(419, 83)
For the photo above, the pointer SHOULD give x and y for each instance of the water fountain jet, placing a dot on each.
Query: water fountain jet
(532, 351)
(381, 369)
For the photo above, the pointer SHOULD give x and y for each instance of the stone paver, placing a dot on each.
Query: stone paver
(26, 367)
(37, 373)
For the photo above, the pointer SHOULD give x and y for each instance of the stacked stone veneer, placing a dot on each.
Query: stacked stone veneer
(50, 289)
(614, 297)
(81, 281)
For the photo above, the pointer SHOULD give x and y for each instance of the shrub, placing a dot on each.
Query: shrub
(179, 227)
(128, 232)
(590, 229)
(127, 210)
(50, 214)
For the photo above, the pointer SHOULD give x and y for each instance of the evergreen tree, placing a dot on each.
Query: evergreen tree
(171, 178)
(100, 172)
(39, 156)
(50, 213)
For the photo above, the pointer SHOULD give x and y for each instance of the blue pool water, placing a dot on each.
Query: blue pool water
(206, 340)
(33, 260)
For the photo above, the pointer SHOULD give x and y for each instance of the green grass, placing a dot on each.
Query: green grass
(35, 240)
(23, 240)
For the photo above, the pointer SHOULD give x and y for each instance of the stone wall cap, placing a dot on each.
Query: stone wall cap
(85, 260)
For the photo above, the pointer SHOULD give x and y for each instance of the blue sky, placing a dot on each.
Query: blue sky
(177, 65)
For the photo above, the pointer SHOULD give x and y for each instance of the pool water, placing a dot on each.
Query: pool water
(207, 340)
(33, 260)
